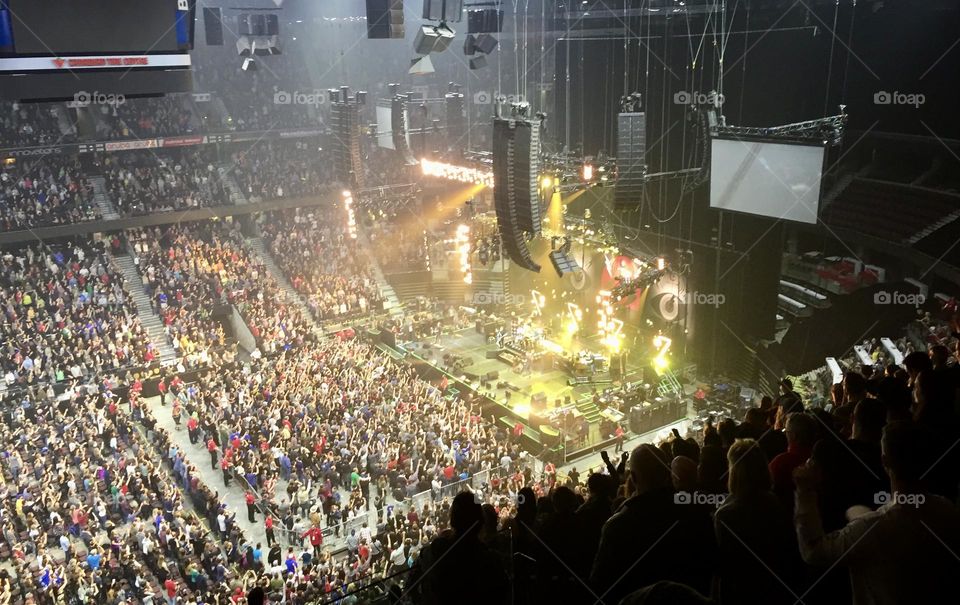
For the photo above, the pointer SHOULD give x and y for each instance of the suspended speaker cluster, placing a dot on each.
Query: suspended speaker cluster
(516, 169)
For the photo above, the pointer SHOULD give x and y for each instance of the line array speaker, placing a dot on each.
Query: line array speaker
(631, 159)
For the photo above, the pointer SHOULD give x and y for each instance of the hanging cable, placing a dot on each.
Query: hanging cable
(833, 43)
(846, 67)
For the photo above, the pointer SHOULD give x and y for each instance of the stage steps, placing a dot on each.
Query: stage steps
(669, 385)
(102, 200)
(589, 409)
(148, 319)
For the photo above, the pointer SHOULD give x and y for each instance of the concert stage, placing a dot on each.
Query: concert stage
(542, 393)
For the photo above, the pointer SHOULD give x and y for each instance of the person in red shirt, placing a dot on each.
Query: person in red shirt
(192, 425)
(268, 524)
(212, 448)
(315, 534)
(619, 436)
(801, 431)
(170, 590)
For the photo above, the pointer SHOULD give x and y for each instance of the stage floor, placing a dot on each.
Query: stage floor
(473, 348)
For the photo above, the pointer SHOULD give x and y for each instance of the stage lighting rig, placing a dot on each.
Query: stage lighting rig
(827, 130)
(644, 279)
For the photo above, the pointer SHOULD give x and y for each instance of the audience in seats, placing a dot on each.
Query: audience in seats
(66, 314)
(144, 183)
(44, 192)
(322, 262)
(145, 118)
(33, 124)
(270, 171)
(191, 269)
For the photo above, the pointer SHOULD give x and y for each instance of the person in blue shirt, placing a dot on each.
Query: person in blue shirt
(93, 560)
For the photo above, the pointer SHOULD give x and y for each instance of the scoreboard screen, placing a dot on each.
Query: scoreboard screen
(63, 49)
(57, 27)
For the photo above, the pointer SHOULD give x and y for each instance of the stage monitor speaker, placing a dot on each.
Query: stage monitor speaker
(385, 19)
(484, 20)
(493, 375)
(538, 401)
(486, 44)
(213, 26)
(631, 159)
(492, 354)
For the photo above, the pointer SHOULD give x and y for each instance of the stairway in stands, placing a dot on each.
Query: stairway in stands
(946, 220)
(237, 197)
(258, 248)
(101, 199)
(150, 321)
(391, 301)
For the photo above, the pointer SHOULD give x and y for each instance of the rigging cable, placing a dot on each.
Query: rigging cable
(833, 43)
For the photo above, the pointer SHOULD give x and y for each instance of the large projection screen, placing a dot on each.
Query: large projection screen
(777, 180)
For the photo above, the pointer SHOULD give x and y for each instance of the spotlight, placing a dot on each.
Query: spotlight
(588, 172)
(547, 182)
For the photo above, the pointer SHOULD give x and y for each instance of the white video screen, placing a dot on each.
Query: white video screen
(385, 127)
(777, 180)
